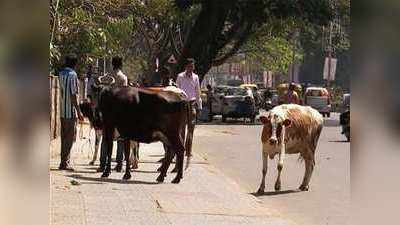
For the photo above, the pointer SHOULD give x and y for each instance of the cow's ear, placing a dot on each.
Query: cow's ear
(287, 122)
(264, 119)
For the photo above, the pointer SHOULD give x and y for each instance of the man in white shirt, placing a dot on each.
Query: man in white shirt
(121, 80)
(189, 83)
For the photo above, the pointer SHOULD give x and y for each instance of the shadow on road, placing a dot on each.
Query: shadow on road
(109, 180)
(272, 193)
(144, 171)
(229, 123)
(341, 141)
(331, 122)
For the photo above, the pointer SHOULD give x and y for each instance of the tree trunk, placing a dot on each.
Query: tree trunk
(202, 43)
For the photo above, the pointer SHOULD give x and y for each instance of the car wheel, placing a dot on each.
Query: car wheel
(223, 118)
(323, 115)
(328, 114)
(347, 134)
(253, 119)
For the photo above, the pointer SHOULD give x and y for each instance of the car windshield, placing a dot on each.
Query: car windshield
(237, 91)
(317, 92)
(220, 90)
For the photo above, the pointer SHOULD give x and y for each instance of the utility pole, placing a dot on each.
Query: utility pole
(294, 42)
(329, 54)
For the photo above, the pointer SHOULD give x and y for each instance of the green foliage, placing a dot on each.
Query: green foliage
(86, 30)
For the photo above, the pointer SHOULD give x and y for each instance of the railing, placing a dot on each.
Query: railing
(54, 107)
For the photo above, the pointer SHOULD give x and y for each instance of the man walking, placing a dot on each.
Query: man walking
(291, 96)
(210, 98)
(189, 83)
(69, 109)
(121, 80)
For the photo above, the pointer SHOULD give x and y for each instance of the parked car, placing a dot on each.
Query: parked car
(319, 98)
(345, 103)
(345, 116)
(238, 103)
(216, 108)
(345, 123)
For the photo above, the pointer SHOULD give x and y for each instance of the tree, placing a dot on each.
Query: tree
(223, 27)
(313, 40)
(89, 29)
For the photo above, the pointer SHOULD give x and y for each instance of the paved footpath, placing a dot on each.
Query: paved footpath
(204, 196)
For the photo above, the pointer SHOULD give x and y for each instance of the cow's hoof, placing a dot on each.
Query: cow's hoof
(91, 163)
(105, 174)
(303, 188)
(127, 176)
(118, 168)
(260, 191)
(175, 170)
(159, 169)
(160, 179)
(161, 160)
(135, 166)
(176, 180)
(277, 186)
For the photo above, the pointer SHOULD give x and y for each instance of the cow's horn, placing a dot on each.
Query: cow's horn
(100, 80)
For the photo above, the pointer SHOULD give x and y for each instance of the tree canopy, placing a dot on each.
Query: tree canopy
(209, 31)
(223, 27)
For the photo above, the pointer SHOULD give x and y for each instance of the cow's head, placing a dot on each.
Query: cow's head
(274, 122)
(90, 109)
(101, 83)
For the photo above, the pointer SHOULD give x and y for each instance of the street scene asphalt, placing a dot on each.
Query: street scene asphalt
(218, 188)
(204, 196)
(235, 149)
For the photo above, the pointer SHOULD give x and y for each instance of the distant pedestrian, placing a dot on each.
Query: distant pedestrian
(291, 96)
(188, 81)
(69, 109)
(165, 76)
(121, 80)
(210, 98)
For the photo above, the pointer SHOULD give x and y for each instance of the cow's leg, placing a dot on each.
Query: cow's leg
(180, 151)
(127, 150)
(120, 154)
(183, 140)
(264, 173)
(108, 138)
(166, 162)
(134, 157)
(162, 161)
(278, 179)
(96, 146)
(309, 167)
(176, 166)
(103, 154)
(167, 152)
(189, 137)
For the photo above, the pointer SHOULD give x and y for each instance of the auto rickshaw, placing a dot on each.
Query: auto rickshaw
(283, 89)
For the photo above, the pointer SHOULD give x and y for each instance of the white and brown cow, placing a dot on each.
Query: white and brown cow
(290, 129)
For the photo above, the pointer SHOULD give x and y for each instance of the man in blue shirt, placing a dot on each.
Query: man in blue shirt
(69, 109)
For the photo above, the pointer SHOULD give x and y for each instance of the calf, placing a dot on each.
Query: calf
(290, 129)
(144, 116)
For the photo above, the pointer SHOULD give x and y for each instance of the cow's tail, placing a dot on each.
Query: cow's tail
(188, 148)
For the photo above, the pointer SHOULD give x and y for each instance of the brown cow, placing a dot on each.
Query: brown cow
(143, 116)
(290, 129)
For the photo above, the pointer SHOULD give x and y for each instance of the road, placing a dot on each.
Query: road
(235, 149)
